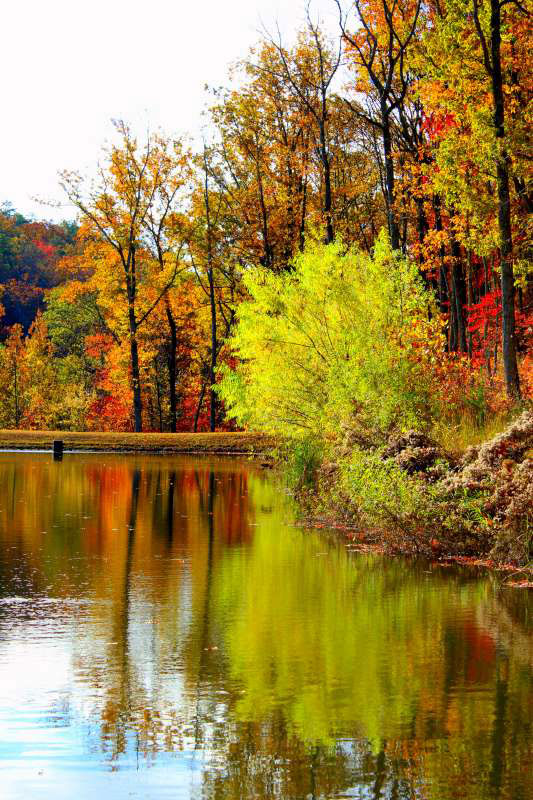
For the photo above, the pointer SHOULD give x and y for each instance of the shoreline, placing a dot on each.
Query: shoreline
(225, 443)
(409, 496)
(252, 445)
(375, 541)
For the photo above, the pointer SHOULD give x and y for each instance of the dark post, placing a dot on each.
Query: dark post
(58, 450)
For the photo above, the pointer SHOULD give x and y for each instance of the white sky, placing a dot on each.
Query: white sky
(70, 66)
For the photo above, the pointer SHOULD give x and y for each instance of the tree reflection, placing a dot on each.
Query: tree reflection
(297, 669)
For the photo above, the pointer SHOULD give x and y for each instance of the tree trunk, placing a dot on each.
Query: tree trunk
(268, 253)
(172, 367)
(443, 281)
(510, 367)
(459, 296)
(303, 215)
(470, 302)
(327, 184)
(394, 230)
(199, 408)
(158, 396)
(213, 364)
(16, 398)
(421, 227)
(135, 373)
(212, 304)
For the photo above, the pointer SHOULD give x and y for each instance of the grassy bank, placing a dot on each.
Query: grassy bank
(223, 443)
(407, 494)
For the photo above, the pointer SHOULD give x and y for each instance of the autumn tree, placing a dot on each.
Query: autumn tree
(379, 49)
(130, 214)
(489, 32)
(261, 161)
(476, 77)
(13, 379)
(309, 71)
(218, 273)
(30, 252)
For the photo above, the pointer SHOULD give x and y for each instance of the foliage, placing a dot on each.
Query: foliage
(141, 294)
(417, 499)
(302, 459)
(380, 489)
(343, 335)
(40, 392)
(30, 255)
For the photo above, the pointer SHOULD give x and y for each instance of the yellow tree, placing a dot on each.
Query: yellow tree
(309, 71)
(13, 378)
(263, 162)
(132, 216)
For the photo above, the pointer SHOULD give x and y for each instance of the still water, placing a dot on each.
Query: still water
(167, 631)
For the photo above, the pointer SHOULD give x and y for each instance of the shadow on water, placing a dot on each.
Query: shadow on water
(182, 623)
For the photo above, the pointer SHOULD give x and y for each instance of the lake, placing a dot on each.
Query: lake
(167, 630)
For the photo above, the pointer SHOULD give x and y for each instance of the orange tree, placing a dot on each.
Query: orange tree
(133, 220)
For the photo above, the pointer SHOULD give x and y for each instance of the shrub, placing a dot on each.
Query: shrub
(341, 335)
(302, 459)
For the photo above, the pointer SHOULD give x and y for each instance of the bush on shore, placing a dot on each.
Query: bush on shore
(344, 357)
(416, 498)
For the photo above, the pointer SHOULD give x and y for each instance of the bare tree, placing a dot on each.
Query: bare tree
(386, 67)
(312, 89)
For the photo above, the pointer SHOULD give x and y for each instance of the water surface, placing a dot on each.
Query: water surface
(167, 631)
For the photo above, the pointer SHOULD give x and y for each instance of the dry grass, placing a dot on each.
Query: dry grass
(237, 443)
(456, 439)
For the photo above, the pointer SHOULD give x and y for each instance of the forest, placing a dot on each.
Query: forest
(346, 255)
(413, 122)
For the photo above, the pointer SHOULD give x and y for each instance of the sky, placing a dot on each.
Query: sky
(71, 66)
